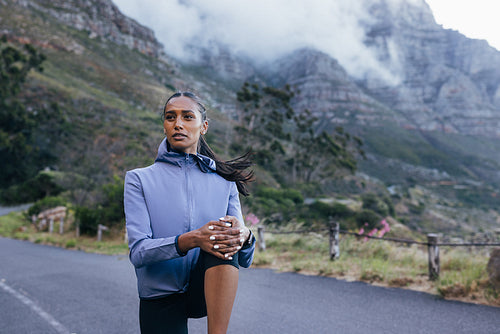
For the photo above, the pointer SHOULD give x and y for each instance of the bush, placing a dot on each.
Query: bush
(38, 187)
(88, 219)
(369, 217)
(322, 210)
(281, 203)
(294, 195)
(46, 203)
(373, 203)
(112, 206)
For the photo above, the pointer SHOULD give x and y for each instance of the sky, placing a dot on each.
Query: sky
(473, 18)
(267, 29)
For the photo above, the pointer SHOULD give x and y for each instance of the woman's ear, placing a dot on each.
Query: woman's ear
(204, 127)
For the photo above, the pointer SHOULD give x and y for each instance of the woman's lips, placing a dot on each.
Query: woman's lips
(179, 136)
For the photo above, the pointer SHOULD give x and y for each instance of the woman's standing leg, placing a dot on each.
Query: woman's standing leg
(167, 315)
(221, 284)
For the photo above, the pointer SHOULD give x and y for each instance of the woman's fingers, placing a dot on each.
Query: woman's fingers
(224, 245)
(231, 219)
(228, 253)
(217, 225)
(224, 237)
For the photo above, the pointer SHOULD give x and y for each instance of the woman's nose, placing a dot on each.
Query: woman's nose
(178, 122)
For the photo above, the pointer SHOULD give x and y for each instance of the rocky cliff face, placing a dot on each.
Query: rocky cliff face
(444, 81)
(327, 90)
(448, 82)
(100, 18)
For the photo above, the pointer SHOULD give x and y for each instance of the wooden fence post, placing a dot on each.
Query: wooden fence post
(432, 240)
(61, 225)
(334, 240)
(51, 225)
(262, 242)
(33, 221)
(100, 228)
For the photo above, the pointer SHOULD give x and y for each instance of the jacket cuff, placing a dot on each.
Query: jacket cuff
(250, 242)
(177, 246)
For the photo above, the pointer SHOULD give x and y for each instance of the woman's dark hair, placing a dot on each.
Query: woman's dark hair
(231, 170)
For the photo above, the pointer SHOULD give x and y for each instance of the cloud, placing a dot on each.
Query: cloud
(265, 29)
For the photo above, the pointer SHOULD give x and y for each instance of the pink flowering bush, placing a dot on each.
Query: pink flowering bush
(252, 219)
(379, 231)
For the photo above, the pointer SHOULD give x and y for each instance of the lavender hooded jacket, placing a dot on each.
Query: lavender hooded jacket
(178, 193)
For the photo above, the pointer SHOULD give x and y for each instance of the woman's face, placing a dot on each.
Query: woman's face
(183, 124)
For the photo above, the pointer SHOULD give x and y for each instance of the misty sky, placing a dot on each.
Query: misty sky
(473, 18)
(266, 29)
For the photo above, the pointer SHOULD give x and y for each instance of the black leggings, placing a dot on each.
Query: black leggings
(169, 314)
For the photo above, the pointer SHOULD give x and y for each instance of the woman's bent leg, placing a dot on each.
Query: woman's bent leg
(221, 284)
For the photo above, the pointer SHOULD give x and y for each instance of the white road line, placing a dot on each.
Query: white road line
(31, 304)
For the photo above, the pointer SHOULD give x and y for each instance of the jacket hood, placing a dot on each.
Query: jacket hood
(168, 155)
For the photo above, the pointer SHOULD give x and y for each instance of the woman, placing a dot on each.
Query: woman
(186, 233)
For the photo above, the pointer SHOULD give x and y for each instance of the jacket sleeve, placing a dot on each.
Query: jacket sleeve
(144, 250)
(245, 256)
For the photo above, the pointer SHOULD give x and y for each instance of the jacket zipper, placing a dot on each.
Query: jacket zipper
(188, 194)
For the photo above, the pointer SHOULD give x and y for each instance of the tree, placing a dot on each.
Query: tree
(285, 142)
(18, 154)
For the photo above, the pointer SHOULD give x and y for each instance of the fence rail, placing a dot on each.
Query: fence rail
(334, 231)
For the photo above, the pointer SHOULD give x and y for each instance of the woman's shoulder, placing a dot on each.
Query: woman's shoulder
(142, 171)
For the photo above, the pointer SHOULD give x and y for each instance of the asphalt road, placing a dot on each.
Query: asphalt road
(6, 209)
(46, 289)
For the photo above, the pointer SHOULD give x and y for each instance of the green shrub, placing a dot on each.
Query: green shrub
(372, 202)
(46, 203)
(323, 210)
(112, 205)
(38, 187)
(88, 219)
(282, 204)
(369, 217)
(293, 195)
(70, 243)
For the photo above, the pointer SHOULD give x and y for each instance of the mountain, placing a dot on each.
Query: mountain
(106, 74)
(448, 82)
(430, 126)
(432, 120)
(436, 108)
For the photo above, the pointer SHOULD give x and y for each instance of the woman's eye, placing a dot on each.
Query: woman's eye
(188, 116)
(169, 117)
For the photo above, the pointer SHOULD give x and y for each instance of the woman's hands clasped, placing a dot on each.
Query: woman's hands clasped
(223, 238)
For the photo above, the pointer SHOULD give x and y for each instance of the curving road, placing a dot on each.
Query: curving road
(46, 289)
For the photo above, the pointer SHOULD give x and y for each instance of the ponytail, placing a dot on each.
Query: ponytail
(231, 170)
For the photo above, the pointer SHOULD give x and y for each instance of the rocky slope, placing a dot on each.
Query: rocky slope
(100, 19)
(448, 82)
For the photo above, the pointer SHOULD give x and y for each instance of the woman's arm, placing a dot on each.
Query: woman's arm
(144, 249)
(247, 240)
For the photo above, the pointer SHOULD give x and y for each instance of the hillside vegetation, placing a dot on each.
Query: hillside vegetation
(94, 112)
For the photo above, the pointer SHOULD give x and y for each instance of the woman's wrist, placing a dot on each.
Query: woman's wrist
(248, 240)
(187, 241)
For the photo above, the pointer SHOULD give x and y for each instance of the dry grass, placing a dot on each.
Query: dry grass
(463, 273)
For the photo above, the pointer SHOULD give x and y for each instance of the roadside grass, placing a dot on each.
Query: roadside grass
(15, 225)
(463, 273)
